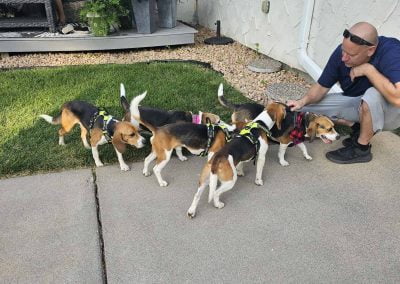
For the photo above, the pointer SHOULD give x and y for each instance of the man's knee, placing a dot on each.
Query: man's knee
(364, 108)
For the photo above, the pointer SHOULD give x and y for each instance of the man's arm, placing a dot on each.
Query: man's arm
(314, 95)
(390, 91)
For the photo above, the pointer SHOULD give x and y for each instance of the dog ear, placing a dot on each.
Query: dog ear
(278, 113)
(312, 130)
(118, 143)
(95, 136)
(280, 116)
(125, 104)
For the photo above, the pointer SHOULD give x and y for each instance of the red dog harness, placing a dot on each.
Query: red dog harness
(298, 133)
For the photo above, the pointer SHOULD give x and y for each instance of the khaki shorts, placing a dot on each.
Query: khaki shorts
(384, 115)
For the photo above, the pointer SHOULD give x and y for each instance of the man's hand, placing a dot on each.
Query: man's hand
(314, 95)
(294, 105)
(359, 71)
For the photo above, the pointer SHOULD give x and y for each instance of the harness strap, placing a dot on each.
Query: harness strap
(298, 133)
(210, 139)
(106, 121)
(246, 133)
(211, 129)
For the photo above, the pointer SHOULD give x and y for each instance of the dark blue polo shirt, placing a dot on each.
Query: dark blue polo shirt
(386, 60)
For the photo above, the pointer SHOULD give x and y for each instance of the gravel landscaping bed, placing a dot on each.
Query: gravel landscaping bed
(231, 60)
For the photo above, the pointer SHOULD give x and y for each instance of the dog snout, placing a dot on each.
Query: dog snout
(141, 142)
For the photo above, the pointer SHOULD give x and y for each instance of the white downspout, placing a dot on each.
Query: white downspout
(305, 61)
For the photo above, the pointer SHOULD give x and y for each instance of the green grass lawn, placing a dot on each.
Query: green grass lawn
(28, 144)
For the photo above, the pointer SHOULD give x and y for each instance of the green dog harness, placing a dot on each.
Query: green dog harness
(107, 118)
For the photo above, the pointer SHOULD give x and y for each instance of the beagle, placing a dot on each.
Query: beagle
(227, 164)
(242, 113)
(295, 126)
(101, 126)
(154, 116)
(199, 139)
(158, 117)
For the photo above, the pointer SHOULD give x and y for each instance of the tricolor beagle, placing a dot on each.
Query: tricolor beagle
(295, 126)
(226, 165)
(154, 116)
(242, 113)
(194, 137)
(158, 117)
(101, 126)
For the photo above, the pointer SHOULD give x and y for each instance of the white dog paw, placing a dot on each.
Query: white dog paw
(124, 168)
(99, 165)
(240, 173)
(308, 157)
(183, 158)
(86, 147)
(191, 213)
(284, 163)
(146, 173)
(163, 183)
(259, 181)
(219, 204)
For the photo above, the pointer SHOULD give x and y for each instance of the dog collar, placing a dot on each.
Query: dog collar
(196, 118)
(266, 119)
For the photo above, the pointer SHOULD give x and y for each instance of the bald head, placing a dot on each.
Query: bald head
(366, 31)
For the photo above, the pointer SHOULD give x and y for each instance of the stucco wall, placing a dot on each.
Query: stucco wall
(277, 33)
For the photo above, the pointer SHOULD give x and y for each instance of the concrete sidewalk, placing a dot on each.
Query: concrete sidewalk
(311, 222)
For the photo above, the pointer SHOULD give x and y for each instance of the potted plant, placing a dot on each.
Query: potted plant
(102, 14)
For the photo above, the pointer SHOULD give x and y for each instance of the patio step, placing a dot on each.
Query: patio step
(285, 91)
(48, 42)
(265, 65)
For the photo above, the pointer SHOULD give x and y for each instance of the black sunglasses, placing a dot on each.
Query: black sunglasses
(356, 39)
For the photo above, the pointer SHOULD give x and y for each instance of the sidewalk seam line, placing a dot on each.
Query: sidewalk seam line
(100, 227)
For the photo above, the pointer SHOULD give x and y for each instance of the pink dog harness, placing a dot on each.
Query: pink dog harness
(196, 118)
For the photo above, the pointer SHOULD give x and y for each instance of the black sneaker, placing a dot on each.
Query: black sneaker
(353, 136)
(350, 140)
(350, 155)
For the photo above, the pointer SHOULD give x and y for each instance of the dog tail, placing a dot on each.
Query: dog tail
(50, 119)
(123, 100)
(222, 99)
(135, 113)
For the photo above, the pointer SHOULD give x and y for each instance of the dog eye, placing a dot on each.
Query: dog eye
(329, 129)
(132, 135)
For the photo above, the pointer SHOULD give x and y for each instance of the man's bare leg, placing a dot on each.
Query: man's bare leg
(367, 131)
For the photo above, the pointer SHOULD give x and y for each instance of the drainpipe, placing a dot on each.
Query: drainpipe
(305, 61)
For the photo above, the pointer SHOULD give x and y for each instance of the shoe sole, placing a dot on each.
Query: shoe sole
(364, 159)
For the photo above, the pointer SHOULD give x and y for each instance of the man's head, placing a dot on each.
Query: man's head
(359, 44)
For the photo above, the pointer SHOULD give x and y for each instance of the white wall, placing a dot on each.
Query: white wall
(277, 33)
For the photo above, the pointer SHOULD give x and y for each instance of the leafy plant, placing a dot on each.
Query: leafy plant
(103, 14)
